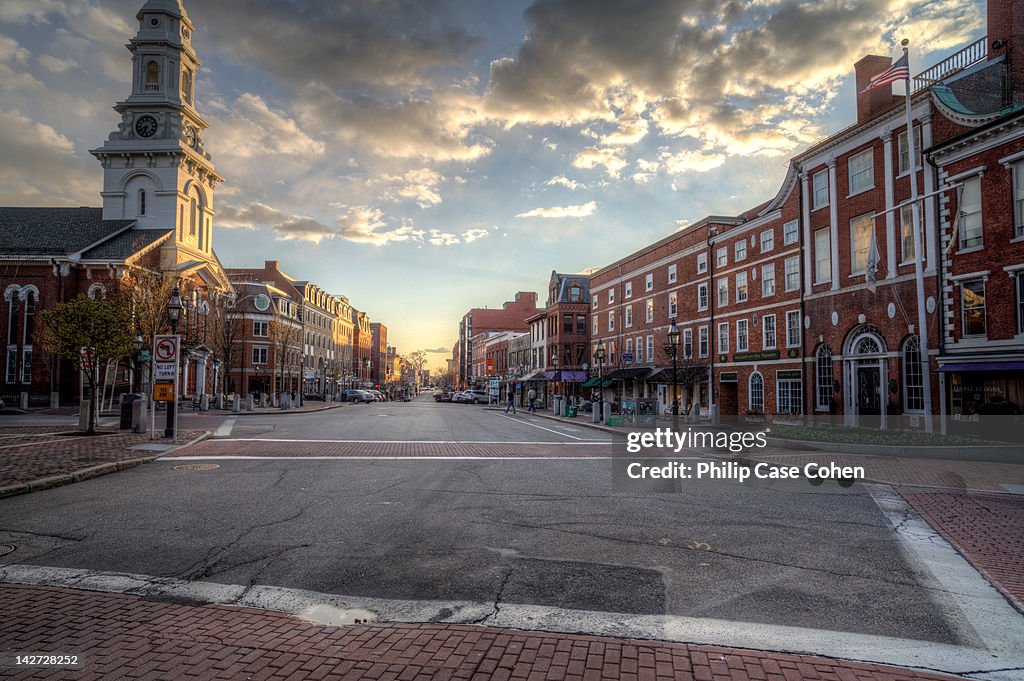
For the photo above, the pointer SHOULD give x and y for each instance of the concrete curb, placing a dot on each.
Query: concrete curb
(90, 472)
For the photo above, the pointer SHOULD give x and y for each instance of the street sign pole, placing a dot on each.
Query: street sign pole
(166, 356)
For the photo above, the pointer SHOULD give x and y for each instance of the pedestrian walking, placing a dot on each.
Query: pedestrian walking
(511, 402)
(532, 397)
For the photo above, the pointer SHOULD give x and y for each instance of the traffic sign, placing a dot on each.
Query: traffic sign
(163, 392)
(165, 358)
(166, 349)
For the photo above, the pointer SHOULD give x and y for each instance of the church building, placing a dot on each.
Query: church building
(155, 223)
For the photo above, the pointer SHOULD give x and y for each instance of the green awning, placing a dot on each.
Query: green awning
(590, 382)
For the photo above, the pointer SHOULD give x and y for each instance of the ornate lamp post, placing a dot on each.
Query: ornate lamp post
(174, 307)
(599, 360)
(137, 374)
(672, 350)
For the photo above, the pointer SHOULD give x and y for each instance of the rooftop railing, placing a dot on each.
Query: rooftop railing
(970, 55)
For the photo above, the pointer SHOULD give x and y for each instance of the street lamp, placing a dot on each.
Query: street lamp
(173, 315)
(672, 350)
(174, 308)
(599, 359)
(137, 376)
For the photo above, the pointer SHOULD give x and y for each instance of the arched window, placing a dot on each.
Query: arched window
(26, 337)
(913, 380)
(152, 76)
(11, 372)
(97, 292)
(186, 85)
(756, 392)
(194, 216)
(823, 376)
(142, 202)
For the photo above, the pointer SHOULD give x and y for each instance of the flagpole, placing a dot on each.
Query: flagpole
(922, 318)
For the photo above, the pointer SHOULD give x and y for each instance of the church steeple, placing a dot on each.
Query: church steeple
(155, 168)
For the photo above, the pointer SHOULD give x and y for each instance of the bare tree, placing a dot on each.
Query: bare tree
(284, 333)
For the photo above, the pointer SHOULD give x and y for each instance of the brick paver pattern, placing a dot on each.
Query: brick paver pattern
(988, 529)
(302, 448)
(128, 637)
(32, 453)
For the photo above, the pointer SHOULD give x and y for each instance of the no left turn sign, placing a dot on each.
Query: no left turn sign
(166, 349)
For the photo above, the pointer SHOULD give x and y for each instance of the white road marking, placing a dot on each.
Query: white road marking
(942, 657)
(224, 430)
(425, 442)
(534, 425)
(240, 457)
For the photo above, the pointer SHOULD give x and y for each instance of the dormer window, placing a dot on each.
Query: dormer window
(152, 76)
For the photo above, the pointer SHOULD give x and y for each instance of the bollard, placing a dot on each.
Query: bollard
(23, 401)
(54, 400)
(140, 409)
(606, 412)
(285, 401)
(219, 403)
(248, 403)
(204, 402)
(235, 403)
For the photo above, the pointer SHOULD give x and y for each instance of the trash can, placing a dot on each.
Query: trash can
(126, 410)
(571, 409)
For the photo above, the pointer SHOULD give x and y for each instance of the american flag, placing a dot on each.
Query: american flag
(898, 71)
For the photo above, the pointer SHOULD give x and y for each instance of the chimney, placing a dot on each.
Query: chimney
(870, 103)
(1006, 38)
(270, 264)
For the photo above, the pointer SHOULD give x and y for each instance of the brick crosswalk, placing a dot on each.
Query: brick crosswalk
(127, 637)
(308, 448)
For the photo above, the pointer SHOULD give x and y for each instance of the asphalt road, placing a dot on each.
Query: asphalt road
(545, 532)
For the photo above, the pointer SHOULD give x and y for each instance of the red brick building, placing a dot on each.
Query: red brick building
(378, 355)
(266, 340)
(567, 332)
(511, 316)
(809, 303)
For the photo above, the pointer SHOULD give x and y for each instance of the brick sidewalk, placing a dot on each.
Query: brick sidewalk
(128, 637)
(29, 454)
(987, 529)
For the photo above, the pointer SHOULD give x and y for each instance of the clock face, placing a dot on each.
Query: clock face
(145, 126)
(262, 302)
(191, 136)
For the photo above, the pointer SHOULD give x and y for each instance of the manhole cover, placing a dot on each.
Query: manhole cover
(197, 467)
(5, 548)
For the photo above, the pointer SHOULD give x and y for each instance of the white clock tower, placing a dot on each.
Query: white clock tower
(155, 170)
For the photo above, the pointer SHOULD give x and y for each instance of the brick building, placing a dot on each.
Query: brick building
(633, 303)
(362, 344)
(808, 304)
(265, 328)
(378, 354)
(511, 316)
(567, 333)
(158, 190)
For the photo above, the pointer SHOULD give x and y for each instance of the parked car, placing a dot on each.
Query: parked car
(478, 396)
(378, 396)
(359, 396)
(460, 396)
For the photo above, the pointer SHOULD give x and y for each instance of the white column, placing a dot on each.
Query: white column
(807, 233)
(931, 248)
(833, 216)
(201, 376)
(890, 215)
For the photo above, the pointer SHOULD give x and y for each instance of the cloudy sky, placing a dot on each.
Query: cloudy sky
(425, 157)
